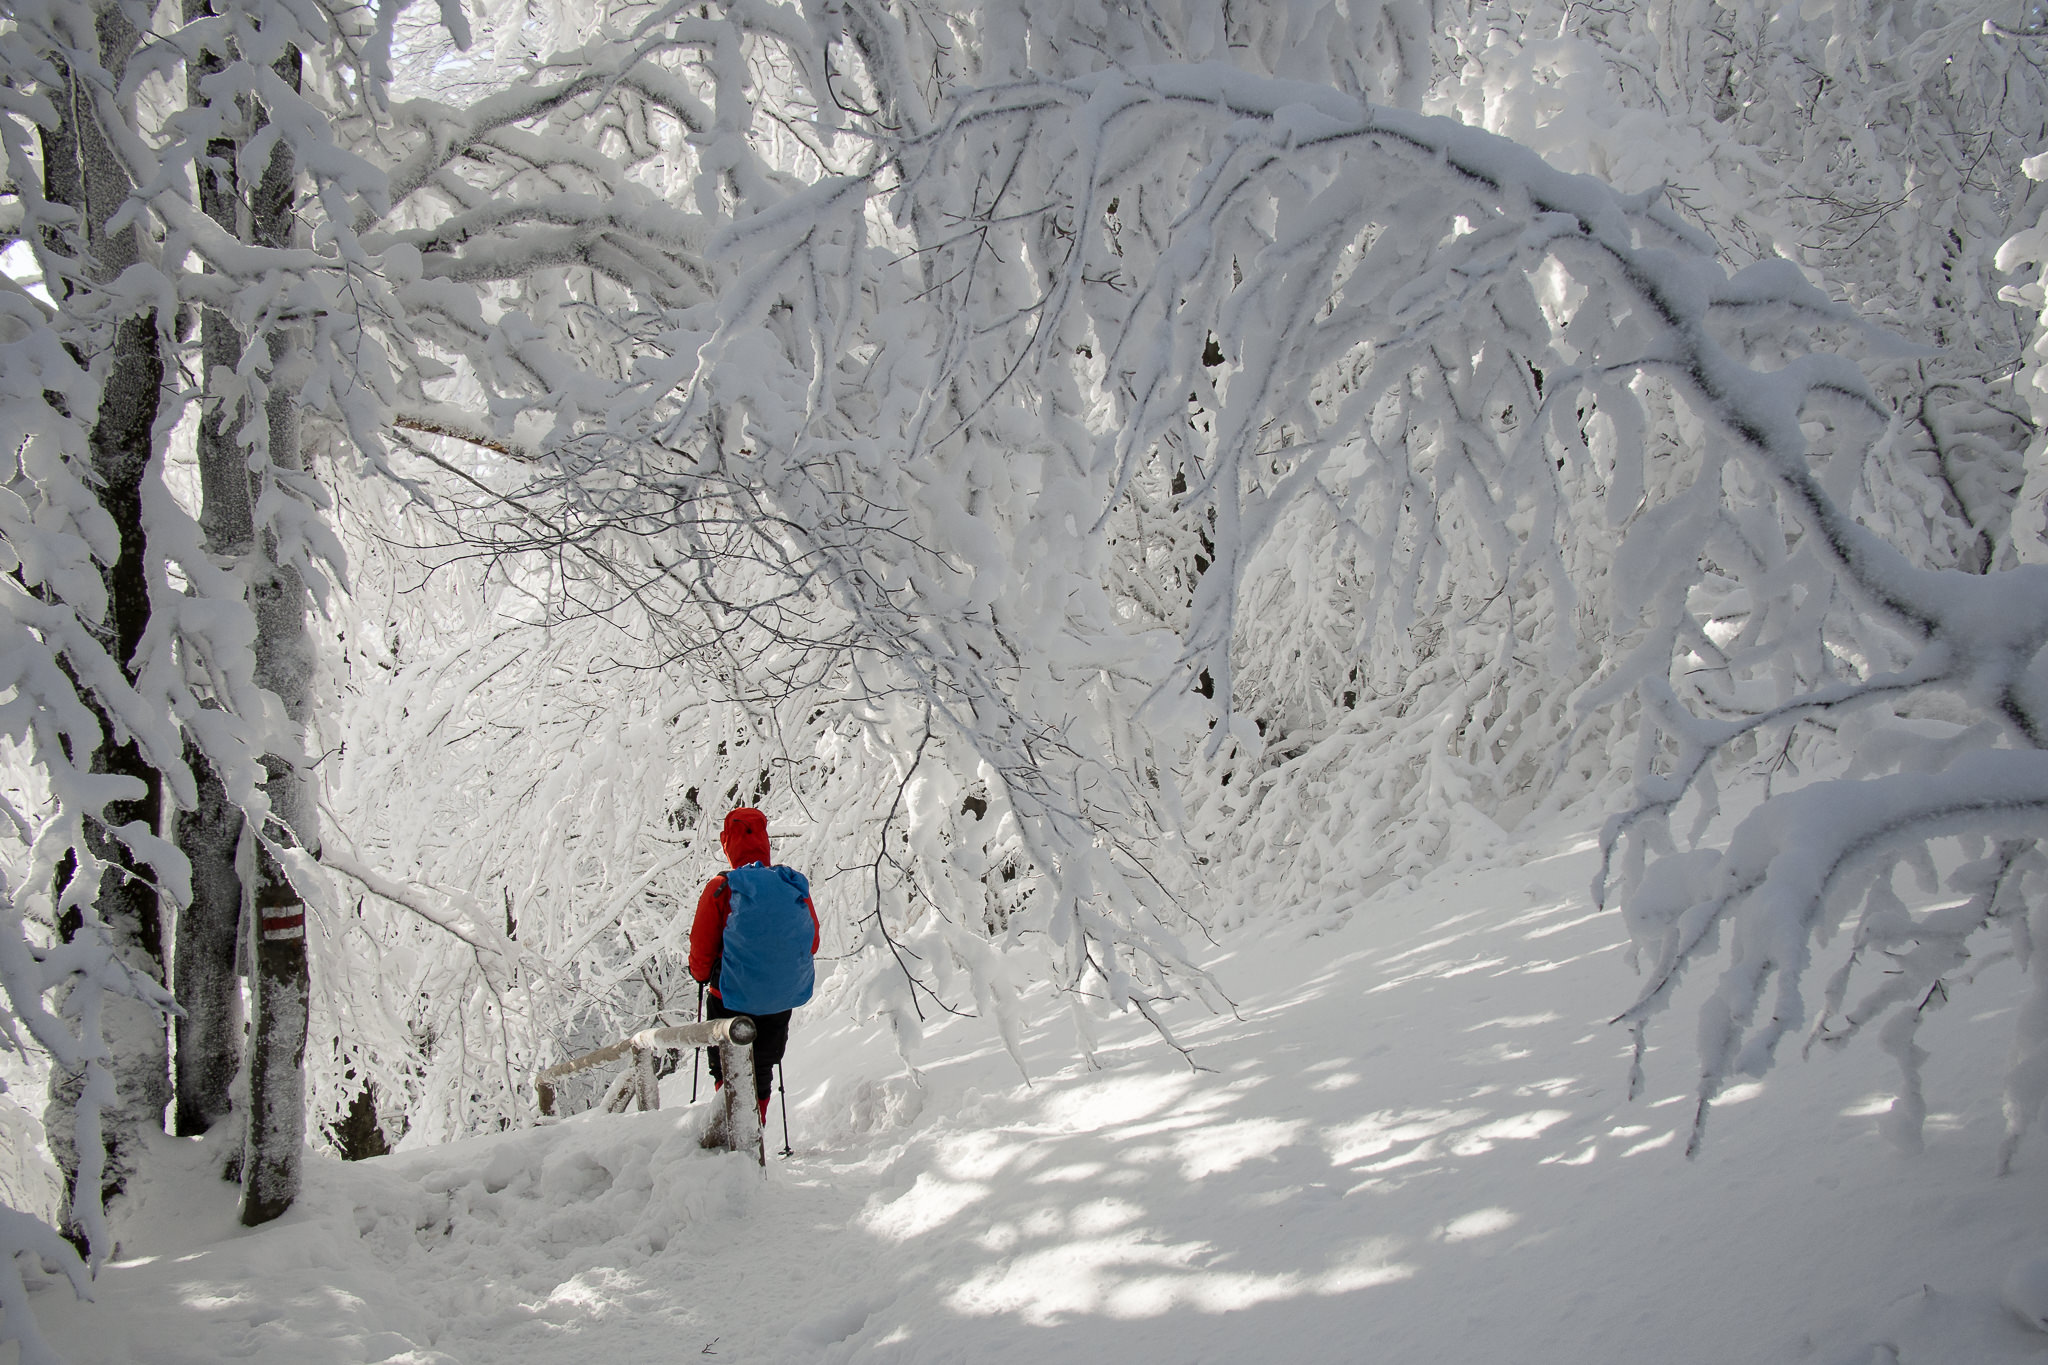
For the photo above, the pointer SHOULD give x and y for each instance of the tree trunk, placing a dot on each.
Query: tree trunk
(82, 171)
(276, 1135)
(207, 983)
(205, 977)
(274, 1142)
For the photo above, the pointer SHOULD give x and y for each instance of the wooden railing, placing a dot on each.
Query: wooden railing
(735, 1127)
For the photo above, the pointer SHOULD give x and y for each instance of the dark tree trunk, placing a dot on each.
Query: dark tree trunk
(274, 1145)
(82, 171)
(205, 976)
(207, 983)
(276, 1137)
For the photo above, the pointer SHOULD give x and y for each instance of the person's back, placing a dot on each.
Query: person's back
(752, 943)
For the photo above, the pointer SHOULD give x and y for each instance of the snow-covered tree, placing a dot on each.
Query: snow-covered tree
(1882, 150)
(1220, 468)
(1088, 471)
(130, 633)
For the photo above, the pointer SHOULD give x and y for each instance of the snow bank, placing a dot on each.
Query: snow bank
(1411, 1142)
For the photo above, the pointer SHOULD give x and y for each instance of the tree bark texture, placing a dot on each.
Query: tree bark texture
(82, 171)
(207, 983)
(276, 1134)
(275, 1140)
(205, 975)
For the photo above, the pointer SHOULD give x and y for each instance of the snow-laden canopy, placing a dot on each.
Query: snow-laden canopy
(1094, 475)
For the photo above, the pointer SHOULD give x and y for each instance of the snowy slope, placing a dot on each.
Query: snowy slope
(1411, 1145)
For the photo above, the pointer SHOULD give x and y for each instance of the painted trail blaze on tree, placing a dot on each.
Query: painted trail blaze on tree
(1134, 467)
(275, 1138)
(765, 966)
(282, 927)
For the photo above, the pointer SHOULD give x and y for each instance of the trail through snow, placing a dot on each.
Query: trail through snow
(1411, 1144)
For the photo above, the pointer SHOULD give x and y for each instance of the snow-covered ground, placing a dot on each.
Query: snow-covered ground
(1411, 1144)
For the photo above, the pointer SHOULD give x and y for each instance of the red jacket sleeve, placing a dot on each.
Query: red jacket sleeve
(814, 925)
(707, 930)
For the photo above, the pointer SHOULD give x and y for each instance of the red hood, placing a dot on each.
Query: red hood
(745, 837)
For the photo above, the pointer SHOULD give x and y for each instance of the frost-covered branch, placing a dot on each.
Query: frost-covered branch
(1328, 437)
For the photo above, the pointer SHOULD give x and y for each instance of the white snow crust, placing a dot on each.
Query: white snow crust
(1410, 1143)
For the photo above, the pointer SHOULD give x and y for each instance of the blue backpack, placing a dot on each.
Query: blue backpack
(765, 964)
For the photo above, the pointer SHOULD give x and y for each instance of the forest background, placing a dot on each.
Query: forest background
(1096, 474)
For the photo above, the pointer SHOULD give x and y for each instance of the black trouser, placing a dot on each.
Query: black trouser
(770, 1041)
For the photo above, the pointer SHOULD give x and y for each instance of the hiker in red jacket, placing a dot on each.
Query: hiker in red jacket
(752, 943)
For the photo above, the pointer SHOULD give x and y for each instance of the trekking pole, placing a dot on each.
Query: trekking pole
(782, 1084)
(697, 1054)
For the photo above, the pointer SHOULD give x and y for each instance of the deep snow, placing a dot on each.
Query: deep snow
(1411, 1144)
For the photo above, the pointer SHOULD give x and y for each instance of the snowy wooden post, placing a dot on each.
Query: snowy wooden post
(737, 1126)
(741, 1120)
(646, 1085)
